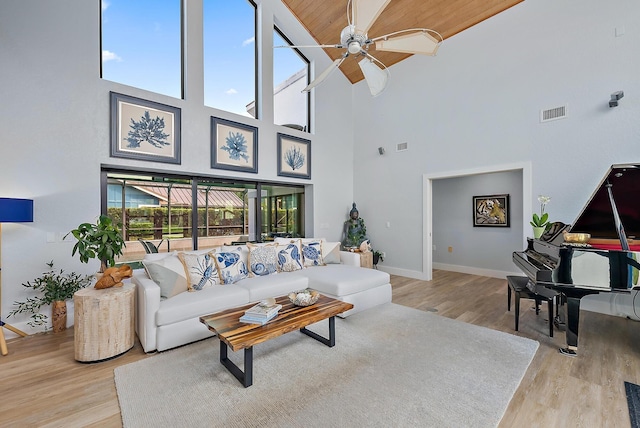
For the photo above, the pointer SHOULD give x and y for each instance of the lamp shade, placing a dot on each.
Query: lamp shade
(14, 210)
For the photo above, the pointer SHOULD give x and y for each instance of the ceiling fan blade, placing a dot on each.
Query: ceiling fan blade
(365, 13)
(420, 42)
(309, 46)
(324, 74)
(375, 76)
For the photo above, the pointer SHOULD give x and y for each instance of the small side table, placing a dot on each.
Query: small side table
(366, 260)
(104, 323)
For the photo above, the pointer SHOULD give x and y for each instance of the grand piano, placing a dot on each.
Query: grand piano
(607, 263)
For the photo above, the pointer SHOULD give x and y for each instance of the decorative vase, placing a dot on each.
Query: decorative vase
(59, 316)
(538, 231)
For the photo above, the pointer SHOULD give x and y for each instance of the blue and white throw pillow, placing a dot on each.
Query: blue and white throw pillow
(262, 259)
(289, 256)
(312, 253)
(200, 270)
(231, 268)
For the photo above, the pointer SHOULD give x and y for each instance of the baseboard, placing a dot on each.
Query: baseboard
(475, 271)
(414, 274)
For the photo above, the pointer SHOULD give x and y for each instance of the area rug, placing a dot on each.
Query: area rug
(633, 401)
(391, 366)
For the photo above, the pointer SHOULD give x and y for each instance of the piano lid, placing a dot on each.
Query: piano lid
(597, 217)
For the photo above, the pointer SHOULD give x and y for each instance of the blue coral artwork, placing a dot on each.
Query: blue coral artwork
(234, 145)
(294, 156)
(144, 130)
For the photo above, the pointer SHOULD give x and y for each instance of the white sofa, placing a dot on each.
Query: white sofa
(164, 323)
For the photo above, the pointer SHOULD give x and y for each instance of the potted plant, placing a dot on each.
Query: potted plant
(540, 223)
(101, 240)
(377, 257)
(55, 289)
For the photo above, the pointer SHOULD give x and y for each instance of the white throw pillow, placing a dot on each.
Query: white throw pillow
(231, 267)
(262, 259)
(312, 252)
(242, 249)
(166, 271)
(200, 269)
(331, 252)
(289, 256)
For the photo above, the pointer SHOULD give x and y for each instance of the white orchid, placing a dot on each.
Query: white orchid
(542, 220)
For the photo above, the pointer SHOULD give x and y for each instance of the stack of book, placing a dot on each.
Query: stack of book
(260, 313)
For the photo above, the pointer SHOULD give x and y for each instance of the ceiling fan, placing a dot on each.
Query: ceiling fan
(361, 14)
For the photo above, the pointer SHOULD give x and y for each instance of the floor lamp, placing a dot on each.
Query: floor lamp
(12, 210)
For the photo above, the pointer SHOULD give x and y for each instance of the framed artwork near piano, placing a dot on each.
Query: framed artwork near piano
(491, 211)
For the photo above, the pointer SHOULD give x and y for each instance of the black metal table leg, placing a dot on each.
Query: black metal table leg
(331, 341)
(246, 377)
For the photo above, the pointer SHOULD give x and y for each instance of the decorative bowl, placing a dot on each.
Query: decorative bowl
(577, 238)
(306, 297)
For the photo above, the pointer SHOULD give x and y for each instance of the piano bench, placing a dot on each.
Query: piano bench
(518, 285)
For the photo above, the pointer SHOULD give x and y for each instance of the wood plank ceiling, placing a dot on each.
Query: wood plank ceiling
(325, 19)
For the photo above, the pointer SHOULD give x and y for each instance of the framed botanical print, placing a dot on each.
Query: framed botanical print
(294, 156)
(144, 130)
(491, 210)
(234, 146)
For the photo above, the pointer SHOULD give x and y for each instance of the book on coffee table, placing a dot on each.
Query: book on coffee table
(263, 311)
(260, 320)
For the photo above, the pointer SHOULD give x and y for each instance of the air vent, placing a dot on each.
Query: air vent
(401, 147)
(554, 113)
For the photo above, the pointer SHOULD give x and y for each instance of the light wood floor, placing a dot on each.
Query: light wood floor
(42, 385)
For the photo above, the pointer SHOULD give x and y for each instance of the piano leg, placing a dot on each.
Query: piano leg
(572, 318)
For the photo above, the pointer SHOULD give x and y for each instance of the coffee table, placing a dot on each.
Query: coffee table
(238, 335)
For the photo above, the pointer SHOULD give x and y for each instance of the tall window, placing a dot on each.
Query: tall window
(290, 77)
(142, 44)
(230, 55)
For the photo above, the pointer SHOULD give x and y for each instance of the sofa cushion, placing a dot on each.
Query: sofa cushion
(187, 305)
(166, 270)
(262, 287)
(231, 266)
(342, 280)
(262, 259)
(289, 256)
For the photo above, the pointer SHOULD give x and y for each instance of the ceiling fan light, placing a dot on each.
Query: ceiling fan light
(354, 47)
(376, 77)
(415, 43)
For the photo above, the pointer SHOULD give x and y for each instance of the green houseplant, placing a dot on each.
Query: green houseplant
(102, 240)
(54, 289)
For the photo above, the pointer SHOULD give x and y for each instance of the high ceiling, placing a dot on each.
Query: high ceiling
(325, 19)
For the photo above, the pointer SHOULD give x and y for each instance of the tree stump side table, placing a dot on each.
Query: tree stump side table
(104, 324)
(366, 260)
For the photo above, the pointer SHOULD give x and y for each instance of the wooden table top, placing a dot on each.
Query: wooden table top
(238, 335)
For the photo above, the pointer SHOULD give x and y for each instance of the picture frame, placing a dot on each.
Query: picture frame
(491, 211)
(144, 130)
(234, 146)
(294, 156)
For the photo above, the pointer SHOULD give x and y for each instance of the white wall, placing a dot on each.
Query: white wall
(54, 129)
(477, 104)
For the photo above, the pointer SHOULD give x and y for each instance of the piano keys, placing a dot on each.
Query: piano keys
(608, 263)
